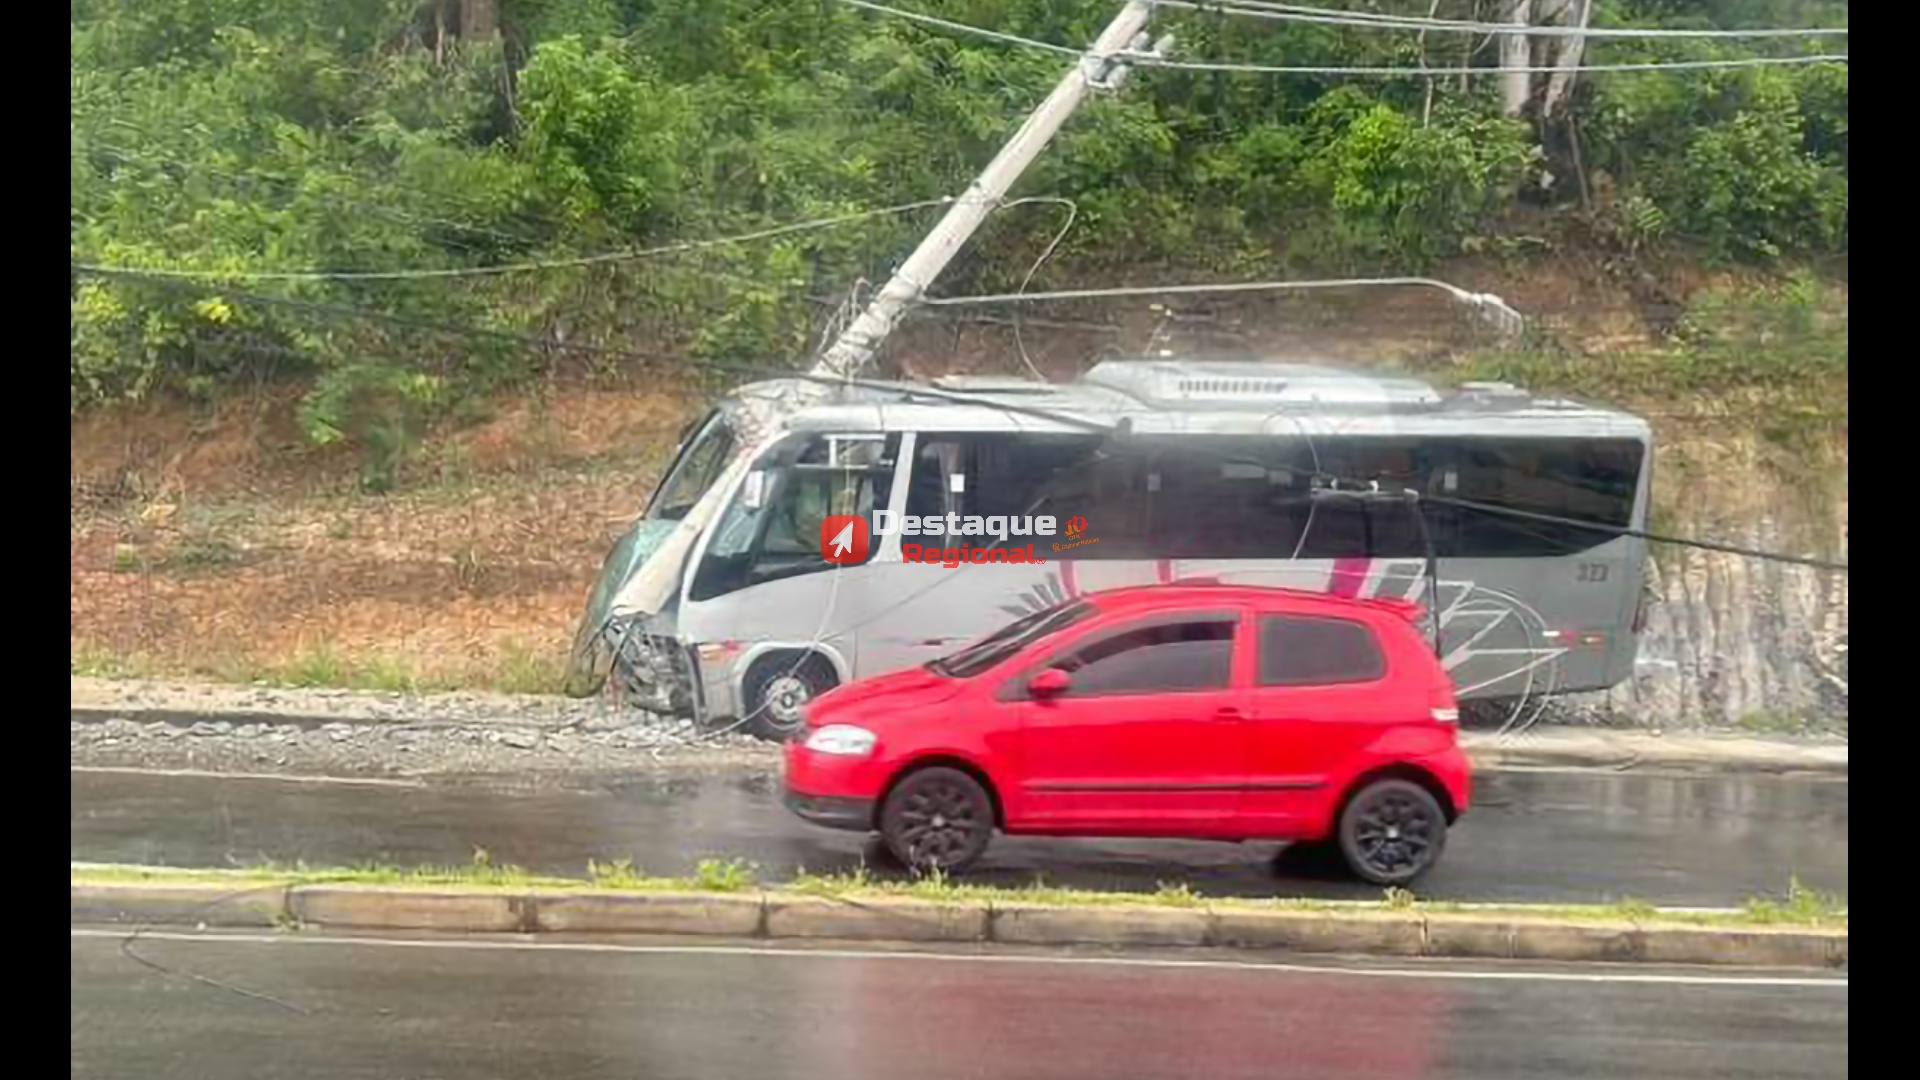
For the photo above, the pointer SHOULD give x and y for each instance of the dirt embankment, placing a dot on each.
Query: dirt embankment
(214, 541)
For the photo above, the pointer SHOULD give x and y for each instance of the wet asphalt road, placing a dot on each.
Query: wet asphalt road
(1541, 836)
(475, 1009)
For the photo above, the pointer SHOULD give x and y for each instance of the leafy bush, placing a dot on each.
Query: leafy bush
(1406, 193)
(1747, 163)
(232, 136)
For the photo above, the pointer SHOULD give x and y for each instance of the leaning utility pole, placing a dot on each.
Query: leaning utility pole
(1103, 67)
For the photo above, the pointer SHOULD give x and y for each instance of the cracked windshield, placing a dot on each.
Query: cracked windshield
(951, 538)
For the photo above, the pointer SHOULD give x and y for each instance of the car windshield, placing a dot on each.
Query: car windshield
(1010, 639)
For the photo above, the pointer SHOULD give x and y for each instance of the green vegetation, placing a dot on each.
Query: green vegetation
(519, 669)
(1799, 907)
(228, 137)
(202, 553)
(1772, 356)
(723, 875)
(1784, 341)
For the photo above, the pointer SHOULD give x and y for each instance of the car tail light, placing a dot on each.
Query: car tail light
(1442, 707)
(1446, 716)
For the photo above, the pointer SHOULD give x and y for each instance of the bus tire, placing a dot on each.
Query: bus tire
(778, 686)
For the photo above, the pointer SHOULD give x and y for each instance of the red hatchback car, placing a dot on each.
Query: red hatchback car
(1193, 711)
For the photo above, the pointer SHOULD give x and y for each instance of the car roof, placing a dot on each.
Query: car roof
(1175, 596)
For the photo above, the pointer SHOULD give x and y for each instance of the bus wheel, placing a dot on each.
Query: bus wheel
(778, 687)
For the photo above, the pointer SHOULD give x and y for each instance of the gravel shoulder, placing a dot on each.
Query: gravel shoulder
(533, 739)
(211, 727)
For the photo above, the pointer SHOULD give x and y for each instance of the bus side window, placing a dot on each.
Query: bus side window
(1001, 473)
(930, 490)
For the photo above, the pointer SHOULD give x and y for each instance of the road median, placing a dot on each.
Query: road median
(1765, 934)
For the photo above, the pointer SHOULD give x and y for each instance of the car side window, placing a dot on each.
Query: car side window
(1299, 650)
(1166, 657)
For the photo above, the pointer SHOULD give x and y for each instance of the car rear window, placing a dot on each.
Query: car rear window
(1298, 650)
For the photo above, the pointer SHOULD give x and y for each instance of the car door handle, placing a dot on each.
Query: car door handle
(1226, 712)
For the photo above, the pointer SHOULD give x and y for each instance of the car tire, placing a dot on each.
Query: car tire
(1391, 832)
(937, 820)
(778, 687)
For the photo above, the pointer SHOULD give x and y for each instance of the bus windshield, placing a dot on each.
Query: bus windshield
(1009, 639)
(700, 463)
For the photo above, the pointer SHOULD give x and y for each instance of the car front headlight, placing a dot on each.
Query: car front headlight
(842, 739)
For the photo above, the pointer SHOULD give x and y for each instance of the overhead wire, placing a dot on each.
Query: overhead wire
(1398, 71)
(1019, 336)
(1302, 13)
(957, 397)
(1154, 60)
(529, 266)
(157, 161)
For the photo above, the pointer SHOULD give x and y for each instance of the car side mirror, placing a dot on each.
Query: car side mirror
(1049, 684)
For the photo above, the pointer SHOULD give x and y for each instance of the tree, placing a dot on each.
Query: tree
(1516, 53)
(1568, 51)
(1521, 89)
(479, 19)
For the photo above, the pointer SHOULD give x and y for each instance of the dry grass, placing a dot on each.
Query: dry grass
(201, 547)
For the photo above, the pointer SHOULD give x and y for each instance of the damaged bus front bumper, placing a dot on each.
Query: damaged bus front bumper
(648, 669)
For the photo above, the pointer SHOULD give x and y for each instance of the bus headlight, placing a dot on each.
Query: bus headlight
(842, 739)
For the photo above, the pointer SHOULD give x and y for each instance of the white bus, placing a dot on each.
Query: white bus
(718, 601)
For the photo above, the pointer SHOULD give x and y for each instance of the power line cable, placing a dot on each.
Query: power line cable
(1658, 538)
(1037, 412)
(530, 266)
(1145, 59)
(963, 28)
(1301, 13)
(1149, 60)
(1486, 305)
(520, 215)
(161, 162)
(376, 315)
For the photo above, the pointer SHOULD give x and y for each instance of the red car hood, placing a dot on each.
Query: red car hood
(887, 694)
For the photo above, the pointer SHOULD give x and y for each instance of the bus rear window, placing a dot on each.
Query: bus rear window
(1589, 480)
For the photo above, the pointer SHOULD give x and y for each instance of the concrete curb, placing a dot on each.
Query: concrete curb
(794, 916)
(190, 903)
(1119, 925)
